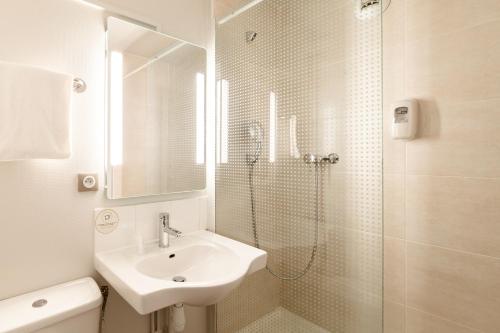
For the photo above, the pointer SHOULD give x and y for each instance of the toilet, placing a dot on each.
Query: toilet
(69, 307)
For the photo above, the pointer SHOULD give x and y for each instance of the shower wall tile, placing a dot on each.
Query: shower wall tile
(461, 287)
(394, 270)
(332, 317)
(394, 150)
(393, 24)
(421, 322)
(260, 293)
(350, 310)
(456, 139)
(394, 82)
(438, 67)
(394, 201)
(450, 172)
(347, 281)
(394, 318)
(354, 257)
(332, 89)
(394, 69)
(356, 201)
(454, 212)
(430, 17)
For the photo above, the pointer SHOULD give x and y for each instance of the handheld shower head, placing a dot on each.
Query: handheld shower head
(255, 138)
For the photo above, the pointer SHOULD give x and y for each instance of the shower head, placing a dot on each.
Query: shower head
(254, 138)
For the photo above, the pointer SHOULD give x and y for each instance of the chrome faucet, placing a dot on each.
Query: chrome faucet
(165, 231)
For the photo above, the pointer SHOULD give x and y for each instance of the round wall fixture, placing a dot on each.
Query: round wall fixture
(106, 221)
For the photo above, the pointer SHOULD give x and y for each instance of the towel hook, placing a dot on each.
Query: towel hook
(79, 85)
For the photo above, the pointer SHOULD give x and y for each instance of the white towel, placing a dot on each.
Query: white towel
(35, 109)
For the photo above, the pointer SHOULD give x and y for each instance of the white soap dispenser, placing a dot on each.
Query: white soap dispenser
(405, 119)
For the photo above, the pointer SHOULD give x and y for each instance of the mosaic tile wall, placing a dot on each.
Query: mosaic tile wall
(322, 62)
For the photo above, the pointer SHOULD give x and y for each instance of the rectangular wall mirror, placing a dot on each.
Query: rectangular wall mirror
(156, 112)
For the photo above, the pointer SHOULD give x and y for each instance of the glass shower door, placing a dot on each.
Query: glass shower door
(298, 86)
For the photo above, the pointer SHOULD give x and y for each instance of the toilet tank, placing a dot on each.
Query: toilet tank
(69, 307)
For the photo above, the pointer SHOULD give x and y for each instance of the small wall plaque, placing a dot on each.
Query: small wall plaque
(106, 221)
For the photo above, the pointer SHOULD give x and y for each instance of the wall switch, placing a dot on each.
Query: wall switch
(88, 182)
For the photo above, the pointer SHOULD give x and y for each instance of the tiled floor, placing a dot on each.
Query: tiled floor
(282, 321)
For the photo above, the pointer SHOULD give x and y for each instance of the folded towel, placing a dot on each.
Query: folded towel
(35, 108)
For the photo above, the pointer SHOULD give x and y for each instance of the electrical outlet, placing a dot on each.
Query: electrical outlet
(88, 182)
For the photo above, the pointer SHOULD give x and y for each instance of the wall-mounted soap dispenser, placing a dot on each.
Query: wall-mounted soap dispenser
(405, 119)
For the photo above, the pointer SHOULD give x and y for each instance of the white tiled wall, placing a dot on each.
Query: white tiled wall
(186, 215)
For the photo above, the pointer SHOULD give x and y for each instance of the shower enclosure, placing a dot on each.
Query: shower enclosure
(299, 163)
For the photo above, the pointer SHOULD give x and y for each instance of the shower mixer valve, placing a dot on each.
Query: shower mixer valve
(318, 159)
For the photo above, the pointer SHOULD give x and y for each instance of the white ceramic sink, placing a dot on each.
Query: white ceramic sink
(212, 265)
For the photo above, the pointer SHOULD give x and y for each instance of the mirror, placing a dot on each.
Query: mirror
(156, 112)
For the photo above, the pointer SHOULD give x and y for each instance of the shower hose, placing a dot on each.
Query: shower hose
(316, 230)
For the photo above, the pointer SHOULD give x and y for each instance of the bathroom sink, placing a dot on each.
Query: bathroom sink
(199, 268)
(196, 263)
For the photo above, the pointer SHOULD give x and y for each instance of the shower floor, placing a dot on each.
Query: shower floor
(282, 321)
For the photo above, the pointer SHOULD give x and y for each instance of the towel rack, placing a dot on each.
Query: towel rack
(79, 85)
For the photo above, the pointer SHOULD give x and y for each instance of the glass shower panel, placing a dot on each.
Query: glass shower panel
(294, 78)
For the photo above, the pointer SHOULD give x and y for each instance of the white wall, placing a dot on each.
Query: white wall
(46, 226)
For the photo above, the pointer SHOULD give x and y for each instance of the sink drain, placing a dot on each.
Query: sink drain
(39, 303)
(179, 279)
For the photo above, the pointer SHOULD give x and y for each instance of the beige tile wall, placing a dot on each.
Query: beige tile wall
(442, 230)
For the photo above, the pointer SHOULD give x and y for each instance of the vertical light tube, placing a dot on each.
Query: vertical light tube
(218, 116)
(200, 118)
(116, 109)
(272, 127)
(222, 121)
(294, 150)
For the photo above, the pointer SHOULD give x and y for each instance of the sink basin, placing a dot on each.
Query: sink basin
(196, 263)
(199, 269)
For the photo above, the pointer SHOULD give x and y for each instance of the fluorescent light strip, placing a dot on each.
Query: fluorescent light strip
(218, 123)
(200, 118)
(155, 59)
(222, 121)
(294, 150)
(239, 11)
(225, 120)
(91, 4)
(272, 127)
(116, 109)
